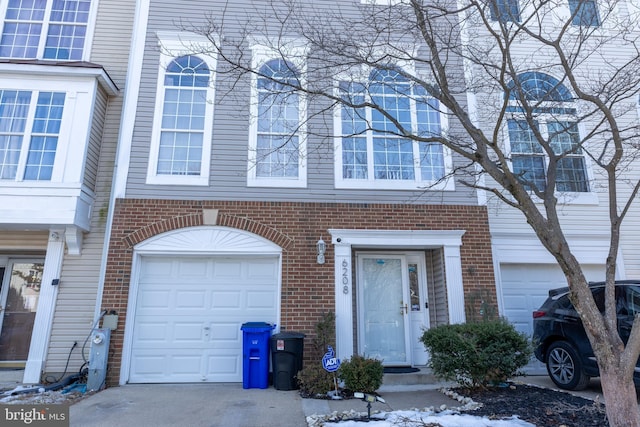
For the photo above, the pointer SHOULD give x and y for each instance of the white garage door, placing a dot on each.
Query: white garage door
(188, 315)
(526, 286)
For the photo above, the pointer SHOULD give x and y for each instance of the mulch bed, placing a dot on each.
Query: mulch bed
(539, 406)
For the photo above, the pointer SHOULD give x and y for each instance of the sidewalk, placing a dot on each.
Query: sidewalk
(228, 405)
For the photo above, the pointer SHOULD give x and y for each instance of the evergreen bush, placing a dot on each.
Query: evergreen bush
(477, 354)
(361, 374)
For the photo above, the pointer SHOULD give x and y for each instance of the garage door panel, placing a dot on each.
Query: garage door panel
(188, 332)
(152, 332)
(226, 332)
(193, 268)
(525, 287)
(263, 270)
(228, 269)
(190, 300)
(224, 367)
(157, 268)
(187, 322)
(154, 298)
(226, 299)
(260, 300)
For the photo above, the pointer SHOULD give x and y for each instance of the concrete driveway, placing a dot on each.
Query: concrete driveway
(189, 405)
(229, 405)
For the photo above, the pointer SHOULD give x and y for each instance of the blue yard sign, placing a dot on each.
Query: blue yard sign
(329, 361)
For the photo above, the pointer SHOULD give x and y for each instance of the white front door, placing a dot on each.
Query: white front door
(390, 313)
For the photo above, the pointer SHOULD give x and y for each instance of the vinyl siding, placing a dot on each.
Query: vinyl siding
(437, 288)
(79, 278)
(93, 152)
(228, 163)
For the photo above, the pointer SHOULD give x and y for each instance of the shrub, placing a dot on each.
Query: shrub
(361, 374)
(477, 354)
(314, 380)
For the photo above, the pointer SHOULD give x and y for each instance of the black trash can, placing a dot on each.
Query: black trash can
(286, 359)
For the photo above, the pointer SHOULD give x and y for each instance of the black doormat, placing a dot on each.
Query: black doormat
(400, 370)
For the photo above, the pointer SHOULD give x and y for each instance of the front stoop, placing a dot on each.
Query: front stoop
(423, 378)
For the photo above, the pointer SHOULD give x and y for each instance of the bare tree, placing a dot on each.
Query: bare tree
(486, 66)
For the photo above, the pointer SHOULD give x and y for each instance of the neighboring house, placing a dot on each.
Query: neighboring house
(62, 64)
(524, 269)
(220, 203)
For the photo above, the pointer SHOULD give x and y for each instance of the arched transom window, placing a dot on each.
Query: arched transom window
(554, 112)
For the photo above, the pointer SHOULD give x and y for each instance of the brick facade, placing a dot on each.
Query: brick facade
(307, 287)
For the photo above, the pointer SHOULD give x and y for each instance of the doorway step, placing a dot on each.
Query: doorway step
(423, 379)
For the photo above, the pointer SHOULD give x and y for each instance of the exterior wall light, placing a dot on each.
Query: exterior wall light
(322, 248)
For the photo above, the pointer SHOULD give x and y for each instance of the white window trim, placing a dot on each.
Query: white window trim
(447, 184)
(590, 197)
(88, 36)
(296, 53)
(173, 45)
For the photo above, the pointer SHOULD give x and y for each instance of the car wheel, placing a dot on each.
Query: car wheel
(565, 368)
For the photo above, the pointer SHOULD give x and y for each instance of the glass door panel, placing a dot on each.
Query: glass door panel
(384, 307)
(19, 300)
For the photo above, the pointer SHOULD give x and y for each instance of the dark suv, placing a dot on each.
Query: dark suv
(561, 342)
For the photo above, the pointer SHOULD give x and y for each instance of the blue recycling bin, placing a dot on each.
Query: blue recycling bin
(255, 354)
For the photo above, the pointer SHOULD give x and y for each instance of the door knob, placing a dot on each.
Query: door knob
(404, 309)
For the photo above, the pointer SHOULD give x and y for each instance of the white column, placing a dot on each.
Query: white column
(344, 300)
(46, 307)
(455, 289)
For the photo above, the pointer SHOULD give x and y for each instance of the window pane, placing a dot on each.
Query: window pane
(530, 170)
(180, 153)
(431, 161)
(187, 71)
(564, 138)
(278, 121)
(277, 156)
(571, 175)
(25, 21)
(14, 109)
(20, 40)
(354, 158)
(44, 139)
(584, 12)
(393, 159)
(522, 137)
(504, 10)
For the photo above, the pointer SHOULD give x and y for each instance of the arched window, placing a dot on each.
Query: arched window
(552, 105)
(182, 130)
(373, 146)
(278, 122)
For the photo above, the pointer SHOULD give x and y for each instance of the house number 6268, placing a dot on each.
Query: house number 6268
(345, 276)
